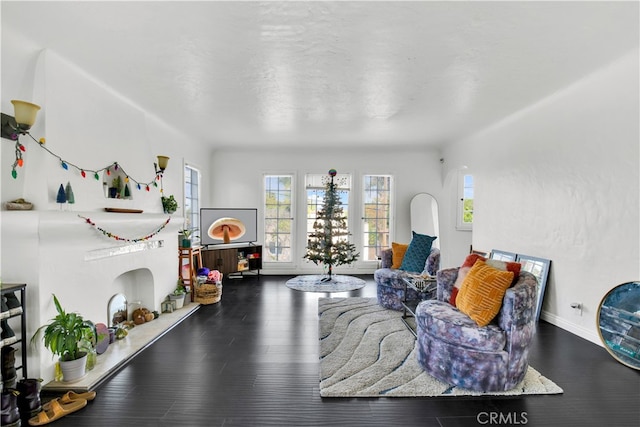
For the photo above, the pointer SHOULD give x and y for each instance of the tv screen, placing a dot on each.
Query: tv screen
(236, 225)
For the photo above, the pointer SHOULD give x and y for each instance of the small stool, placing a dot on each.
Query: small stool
(191, 254)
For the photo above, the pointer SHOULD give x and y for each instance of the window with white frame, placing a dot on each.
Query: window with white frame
(316, 186)
(192, 199)
(465, 203)
(278, 218)
(376, 218)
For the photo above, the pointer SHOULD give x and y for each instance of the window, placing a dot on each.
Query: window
(192, 199)
(278, 218)
(316, 184)
(376, 216)
(465, 207)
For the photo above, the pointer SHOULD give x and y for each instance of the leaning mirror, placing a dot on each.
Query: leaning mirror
(424, 216)
(502, 255)
(619, 323)
(539, 267)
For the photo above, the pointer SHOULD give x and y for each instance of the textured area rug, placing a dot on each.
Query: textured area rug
(322, 283)
(367, 351)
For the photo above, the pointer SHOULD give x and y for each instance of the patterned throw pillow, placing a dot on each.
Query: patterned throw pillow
(417, 253)
(470, 260)
(397, 252)
(482, 291)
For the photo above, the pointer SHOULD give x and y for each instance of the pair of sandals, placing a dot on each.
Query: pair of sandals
(61, 406)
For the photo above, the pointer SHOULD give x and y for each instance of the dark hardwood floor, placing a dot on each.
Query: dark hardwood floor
(252, 360)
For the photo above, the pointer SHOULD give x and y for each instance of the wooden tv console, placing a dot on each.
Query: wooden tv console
(232, 260)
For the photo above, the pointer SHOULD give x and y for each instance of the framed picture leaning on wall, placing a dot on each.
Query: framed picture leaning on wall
(502, 255)
(539, 267)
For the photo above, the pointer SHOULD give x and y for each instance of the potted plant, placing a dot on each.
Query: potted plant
(187, 233)
(114, 190)
(169, 204)
(178, 294)
(63, 336)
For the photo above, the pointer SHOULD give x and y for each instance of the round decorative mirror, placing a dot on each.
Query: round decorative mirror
(619, 323)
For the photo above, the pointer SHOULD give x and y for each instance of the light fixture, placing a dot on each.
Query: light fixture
(163, 161)
(25, 117)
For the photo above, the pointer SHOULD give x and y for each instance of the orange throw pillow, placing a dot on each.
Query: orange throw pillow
(470, 260)
(482, 291)
(397, 254)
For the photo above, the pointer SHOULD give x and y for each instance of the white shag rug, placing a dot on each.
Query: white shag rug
(367, 351)
(322, 283)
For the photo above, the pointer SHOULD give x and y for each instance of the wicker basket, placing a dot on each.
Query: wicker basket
(13, 206)
(208, 293)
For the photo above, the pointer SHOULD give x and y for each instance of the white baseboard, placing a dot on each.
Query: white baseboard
(578, 330)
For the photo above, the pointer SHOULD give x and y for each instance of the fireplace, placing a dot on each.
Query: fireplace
(60, 253)
(136, 286)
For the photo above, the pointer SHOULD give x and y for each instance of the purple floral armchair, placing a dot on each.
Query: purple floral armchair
(454, 349)
(390, 284)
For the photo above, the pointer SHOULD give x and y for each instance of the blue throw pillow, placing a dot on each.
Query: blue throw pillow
(417, 252)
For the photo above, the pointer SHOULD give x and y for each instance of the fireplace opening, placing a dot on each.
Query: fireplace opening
(134, 286)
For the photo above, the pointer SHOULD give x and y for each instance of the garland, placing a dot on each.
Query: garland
(116, 237)
(19, 162)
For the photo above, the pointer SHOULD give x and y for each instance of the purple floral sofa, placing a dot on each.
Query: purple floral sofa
(390, 286)
(454, 349)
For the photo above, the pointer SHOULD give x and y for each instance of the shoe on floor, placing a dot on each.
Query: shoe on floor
(56, 411)
(72, 396)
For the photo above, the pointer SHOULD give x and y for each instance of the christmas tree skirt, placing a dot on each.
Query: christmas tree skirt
(324, 283)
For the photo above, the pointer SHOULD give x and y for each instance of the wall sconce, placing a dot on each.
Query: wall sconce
(163, 161)
(25, 117)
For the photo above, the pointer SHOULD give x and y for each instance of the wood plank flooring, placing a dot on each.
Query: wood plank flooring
(252, 360)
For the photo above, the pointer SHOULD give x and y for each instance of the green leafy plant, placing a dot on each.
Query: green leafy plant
(116, 183)
(64, 334)
(169, 204)
(179, 290)
(188, 232)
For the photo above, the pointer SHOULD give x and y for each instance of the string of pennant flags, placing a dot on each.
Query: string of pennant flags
(124, 239)
(84, 172)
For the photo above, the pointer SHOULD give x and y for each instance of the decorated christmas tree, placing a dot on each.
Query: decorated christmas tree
(328, 244)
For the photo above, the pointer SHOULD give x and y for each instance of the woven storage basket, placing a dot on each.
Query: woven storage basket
(208, 293)
(12, 206)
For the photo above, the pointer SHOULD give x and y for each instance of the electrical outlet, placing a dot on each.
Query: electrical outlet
(577, 308)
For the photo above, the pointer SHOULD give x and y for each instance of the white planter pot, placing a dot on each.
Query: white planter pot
(179, 299)
(73, 370)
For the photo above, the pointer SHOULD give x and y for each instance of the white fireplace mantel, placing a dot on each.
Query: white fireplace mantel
(60, 253)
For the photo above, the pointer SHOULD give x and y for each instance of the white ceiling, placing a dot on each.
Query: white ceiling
(331, 73)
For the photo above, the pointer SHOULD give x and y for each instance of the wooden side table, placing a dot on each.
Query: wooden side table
(191, 254)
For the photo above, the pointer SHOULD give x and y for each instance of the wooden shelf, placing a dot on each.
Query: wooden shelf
(231, 260)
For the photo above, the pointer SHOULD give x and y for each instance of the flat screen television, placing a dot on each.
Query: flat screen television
(239, 224)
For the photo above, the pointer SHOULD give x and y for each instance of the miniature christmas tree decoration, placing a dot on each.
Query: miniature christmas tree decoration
(62, 197)
(69, 193)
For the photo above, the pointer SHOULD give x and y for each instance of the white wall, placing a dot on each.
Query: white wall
(89, 124)
(237, 181)
(560, 180)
